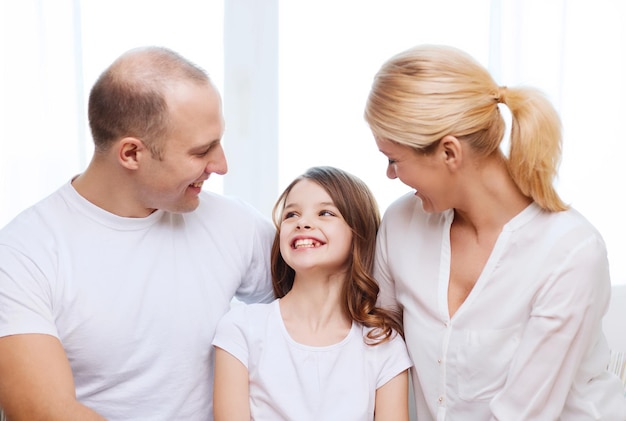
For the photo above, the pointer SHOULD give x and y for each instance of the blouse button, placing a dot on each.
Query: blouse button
(440, 399)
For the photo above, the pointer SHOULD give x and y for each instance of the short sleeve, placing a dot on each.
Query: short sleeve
(230, 334)
(256, 285)
(393, 358)
(25, 296)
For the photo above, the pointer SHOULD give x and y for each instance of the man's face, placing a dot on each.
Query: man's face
(190, 153)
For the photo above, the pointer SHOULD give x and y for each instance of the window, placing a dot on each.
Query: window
(326, 54)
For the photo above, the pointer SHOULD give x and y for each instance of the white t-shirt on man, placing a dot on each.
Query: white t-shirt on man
(134, 301)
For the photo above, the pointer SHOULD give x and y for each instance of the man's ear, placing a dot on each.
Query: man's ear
(130, 150)
(452, 151)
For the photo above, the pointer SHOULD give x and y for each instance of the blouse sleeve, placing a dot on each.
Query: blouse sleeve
(565, 319)
(382, 274)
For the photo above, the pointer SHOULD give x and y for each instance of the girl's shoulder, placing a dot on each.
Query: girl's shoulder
(243, 313)
(394, 341)
(389, 357)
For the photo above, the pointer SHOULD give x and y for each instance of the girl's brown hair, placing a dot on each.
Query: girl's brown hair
(359, 209)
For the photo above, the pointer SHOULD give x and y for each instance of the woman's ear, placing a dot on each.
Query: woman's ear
(130, 150)
(453, 151)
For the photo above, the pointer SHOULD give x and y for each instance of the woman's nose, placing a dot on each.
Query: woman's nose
(391, 172)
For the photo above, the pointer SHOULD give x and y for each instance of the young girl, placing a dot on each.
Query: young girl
(322, 350)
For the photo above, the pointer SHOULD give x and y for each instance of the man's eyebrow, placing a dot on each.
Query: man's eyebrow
(205, 146)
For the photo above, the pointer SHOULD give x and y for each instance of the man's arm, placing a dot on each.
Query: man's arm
(36, 380)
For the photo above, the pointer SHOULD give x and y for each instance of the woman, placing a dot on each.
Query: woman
(502, 286)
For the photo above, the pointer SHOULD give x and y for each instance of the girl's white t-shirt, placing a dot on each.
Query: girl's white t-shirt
(291, 381)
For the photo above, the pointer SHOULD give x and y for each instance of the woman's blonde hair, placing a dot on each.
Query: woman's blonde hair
(427, 92)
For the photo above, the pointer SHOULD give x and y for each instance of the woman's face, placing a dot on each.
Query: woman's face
(426, 173)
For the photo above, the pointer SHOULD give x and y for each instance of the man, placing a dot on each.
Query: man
(111, 288)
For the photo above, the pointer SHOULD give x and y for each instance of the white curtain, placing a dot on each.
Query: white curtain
(52, 52)
(42, 136)
(574, 50)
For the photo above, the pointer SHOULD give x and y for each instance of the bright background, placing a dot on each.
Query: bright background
(295, 75)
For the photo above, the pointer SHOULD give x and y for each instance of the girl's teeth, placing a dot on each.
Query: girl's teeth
(305, 243)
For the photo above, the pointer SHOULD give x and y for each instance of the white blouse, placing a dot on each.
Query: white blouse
(527, 343)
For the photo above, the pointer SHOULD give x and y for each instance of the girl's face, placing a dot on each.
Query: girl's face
(314, 237)
(421, 172)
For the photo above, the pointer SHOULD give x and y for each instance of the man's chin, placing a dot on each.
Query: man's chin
(188, 206)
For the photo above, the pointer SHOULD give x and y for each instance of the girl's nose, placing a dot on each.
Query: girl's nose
(303, 224)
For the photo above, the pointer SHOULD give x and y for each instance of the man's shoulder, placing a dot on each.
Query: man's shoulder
(36, 217)
(229, 209)
(230, 216)
(220, 202)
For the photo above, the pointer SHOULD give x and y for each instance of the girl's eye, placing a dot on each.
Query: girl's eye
(392, 161)
(326, 213)
(289, 215)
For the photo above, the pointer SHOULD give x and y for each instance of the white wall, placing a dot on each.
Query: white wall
(295, 76)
